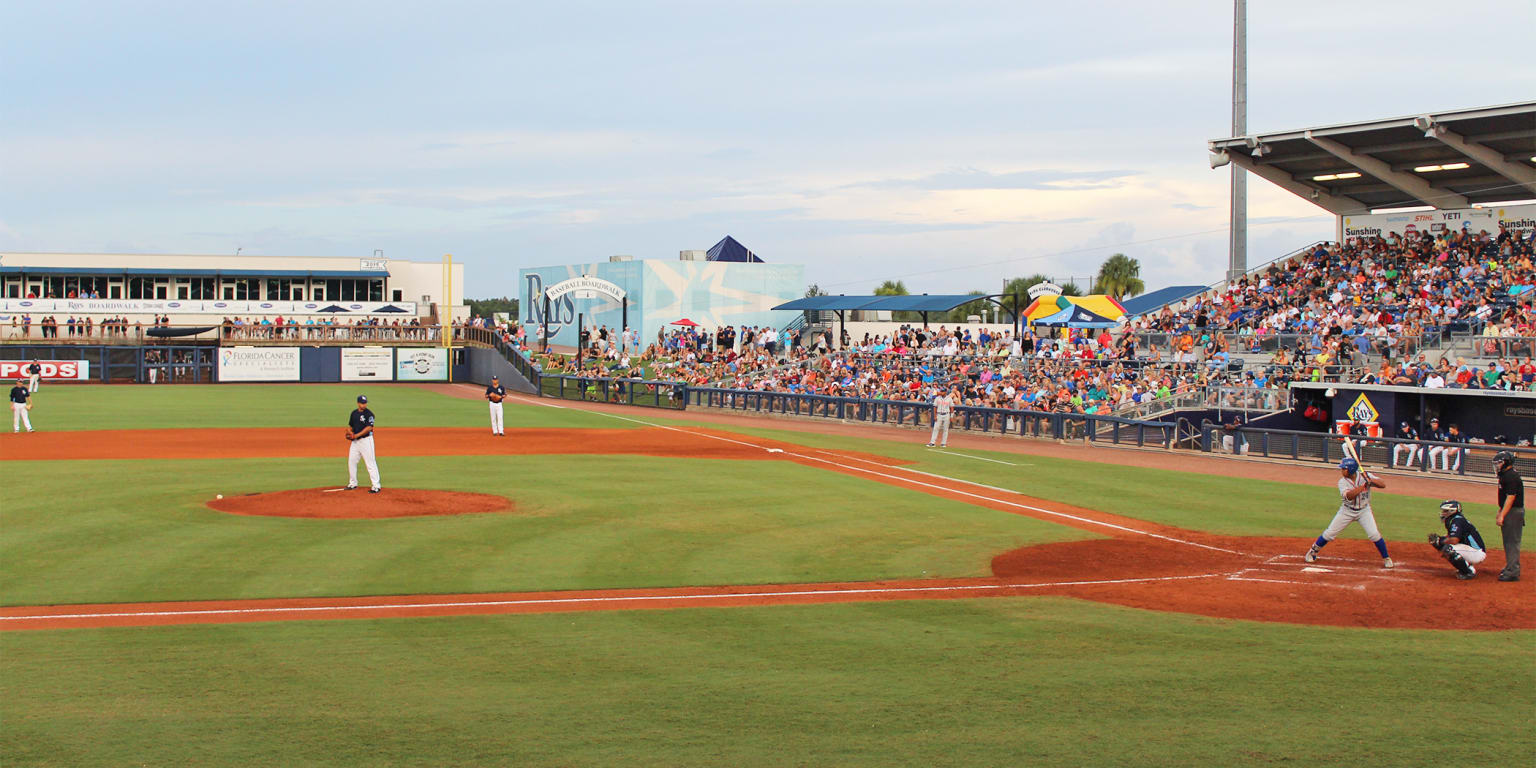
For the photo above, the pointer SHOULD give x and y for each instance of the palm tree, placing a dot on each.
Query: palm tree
(1120, 276)
(891, 288)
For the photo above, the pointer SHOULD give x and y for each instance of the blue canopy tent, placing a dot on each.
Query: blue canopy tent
(1076, 317)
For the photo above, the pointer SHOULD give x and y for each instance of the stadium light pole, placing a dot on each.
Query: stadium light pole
(1237, 260)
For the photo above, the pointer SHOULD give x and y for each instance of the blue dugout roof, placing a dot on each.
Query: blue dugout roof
(1162, 297)
(919, 303)
(135, 272)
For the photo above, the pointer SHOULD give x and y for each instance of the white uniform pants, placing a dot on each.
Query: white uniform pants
(1409, 448)
(1448, 459)
(19, 417)
(362, 449)
(33, 381)
(939, 422)
(1345, 516)
(496, 427)
(1469, 553)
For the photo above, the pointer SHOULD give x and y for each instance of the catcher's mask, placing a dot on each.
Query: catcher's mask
(1449, 507)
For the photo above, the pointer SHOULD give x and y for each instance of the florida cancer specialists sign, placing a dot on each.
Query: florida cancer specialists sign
(53, 370)
(367, 364)
(259, 364)
(425, 364)
(1514, 218)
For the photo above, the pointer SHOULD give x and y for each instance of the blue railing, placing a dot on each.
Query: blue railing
(1375, 452)
(966, 419)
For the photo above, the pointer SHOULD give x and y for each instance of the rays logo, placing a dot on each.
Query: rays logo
(562, 311)
(1362, 410)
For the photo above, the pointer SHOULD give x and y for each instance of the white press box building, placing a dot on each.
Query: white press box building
(201, 287)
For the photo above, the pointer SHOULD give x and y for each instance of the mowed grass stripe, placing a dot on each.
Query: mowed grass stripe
(139, 531)
(967, 682)
(61, 408)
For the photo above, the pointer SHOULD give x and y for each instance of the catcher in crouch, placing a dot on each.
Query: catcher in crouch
(1462, 545)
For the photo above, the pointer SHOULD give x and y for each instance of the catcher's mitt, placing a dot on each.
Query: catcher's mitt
(1436, 540)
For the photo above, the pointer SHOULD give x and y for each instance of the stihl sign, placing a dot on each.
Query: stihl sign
(53, 370)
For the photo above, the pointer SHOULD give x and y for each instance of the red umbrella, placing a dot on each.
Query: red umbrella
(685, 321)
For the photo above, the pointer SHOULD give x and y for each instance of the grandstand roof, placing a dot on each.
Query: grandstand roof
(920, 303)
(1399, 162)
(1162, 297)
(168, 272)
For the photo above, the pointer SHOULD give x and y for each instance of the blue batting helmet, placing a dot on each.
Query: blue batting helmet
(1349, 465)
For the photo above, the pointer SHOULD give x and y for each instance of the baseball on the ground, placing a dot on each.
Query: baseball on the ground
(218, 496)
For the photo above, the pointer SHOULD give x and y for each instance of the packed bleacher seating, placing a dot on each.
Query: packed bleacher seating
(1390, 299)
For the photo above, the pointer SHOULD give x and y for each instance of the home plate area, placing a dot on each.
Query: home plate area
(1337, 573)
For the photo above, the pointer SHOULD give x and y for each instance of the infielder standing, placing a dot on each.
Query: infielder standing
(1461, 545)
(494, 393)
(1355, 490)
(942, 406)
(34, 375)
(1511, 519)
(360, 434)
(20, 405)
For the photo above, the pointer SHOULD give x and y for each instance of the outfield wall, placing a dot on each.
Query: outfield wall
(198, 364)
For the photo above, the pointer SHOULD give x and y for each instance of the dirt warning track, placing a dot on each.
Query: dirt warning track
(1134, 563)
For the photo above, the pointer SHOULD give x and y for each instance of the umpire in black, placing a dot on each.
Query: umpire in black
(1511, 517)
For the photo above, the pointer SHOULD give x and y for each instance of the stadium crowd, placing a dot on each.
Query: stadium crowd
(1385, 298)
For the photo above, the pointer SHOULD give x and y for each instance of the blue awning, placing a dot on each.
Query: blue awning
(1162, 297)
(141, 272)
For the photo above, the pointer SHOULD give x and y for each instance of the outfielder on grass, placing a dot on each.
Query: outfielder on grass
(1355, 490)
(1461, 545)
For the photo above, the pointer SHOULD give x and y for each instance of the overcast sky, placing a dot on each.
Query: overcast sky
(950, 144)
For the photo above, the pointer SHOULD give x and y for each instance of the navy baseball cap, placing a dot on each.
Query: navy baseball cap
(362, 398)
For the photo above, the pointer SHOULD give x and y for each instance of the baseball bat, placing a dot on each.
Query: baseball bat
(1350, 450)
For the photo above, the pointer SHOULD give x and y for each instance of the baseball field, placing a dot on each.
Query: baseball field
(182, 583)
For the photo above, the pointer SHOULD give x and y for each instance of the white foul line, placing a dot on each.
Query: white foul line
(597, 600)
(911, 481)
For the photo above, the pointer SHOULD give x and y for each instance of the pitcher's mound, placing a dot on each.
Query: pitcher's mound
(333, 504)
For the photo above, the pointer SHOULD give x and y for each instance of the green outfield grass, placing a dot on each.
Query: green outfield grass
(114, 531)
(1028, 682)
(58, 408)
(1005, 681)
(1215, 503)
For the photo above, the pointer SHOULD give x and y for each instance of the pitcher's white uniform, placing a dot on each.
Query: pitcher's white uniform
(361, 423)
(942, 405)
(493, 395)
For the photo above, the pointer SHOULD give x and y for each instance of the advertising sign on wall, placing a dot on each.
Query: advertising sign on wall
(422, 364)
(259, 364)
(367, 364)
(1515, 218)
(53, 370)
